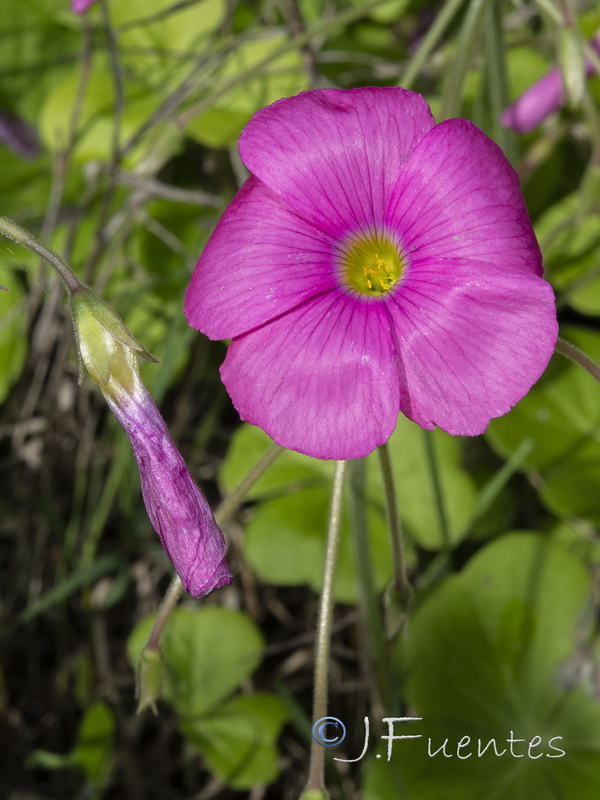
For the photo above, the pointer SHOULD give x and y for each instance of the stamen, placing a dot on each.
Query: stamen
(372, 266)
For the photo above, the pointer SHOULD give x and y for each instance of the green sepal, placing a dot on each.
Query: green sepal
(149, 678)
(572, 65)
(99, 331)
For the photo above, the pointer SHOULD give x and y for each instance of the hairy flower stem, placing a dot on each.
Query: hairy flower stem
(228, 507)
(19, 235)
(574, 354)
(167, 605)
(316, 781)
(401, 584)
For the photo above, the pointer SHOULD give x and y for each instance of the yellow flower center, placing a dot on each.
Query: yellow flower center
(372, 265)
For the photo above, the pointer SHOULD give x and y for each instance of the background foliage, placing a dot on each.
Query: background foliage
(129, 159)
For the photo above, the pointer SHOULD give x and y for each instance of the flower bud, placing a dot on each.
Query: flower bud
(314, 794)
(149, 677)
(105, 345)
(177, 509)
(547, 95)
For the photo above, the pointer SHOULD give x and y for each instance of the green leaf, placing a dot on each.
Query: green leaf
(56, 114)
(284, 76)
(589, 21)
(218, 127)
(159, 41)
(571, 245)
(94, 747)
(561, 413)
(550, 587)
(22, 184)
(208, 653)
(525, 66)
(574, 491)
(561, 417)
(238, 741)
(389, 12)
(166, 265)
(93, 751)
(34, 50)
(96, 119)
(493, 653)
(579, 539)
(286, 537)
(13, 330)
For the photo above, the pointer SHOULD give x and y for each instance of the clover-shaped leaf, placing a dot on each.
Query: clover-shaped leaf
(491, 655)
(238, 740)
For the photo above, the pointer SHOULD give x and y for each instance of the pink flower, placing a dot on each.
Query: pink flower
(543, 98)
(80, 6)
(532, 107)
(176, 507)
(373, 263)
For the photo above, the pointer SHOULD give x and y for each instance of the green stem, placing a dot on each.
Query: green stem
(496, 79)
(222, 514)
(593, 117)
(437, 492)
(368, 598)
(317, 764)
(167, 605)
(401, 584)
(433, 36)
(574, 354)
(492, 488)
(19, 235)
(468, 39)
(234, 500)
(548, 7)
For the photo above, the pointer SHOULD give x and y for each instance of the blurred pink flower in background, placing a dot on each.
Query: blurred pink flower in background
(79, 6)
(543, 98)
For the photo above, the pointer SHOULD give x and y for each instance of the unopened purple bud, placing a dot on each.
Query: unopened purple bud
(541, 99)
(535, 104)
(177, 509)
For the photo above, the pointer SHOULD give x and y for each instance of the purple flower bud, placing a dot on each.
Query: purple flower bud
(177, 509)
(541, 99)
(534, 105)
